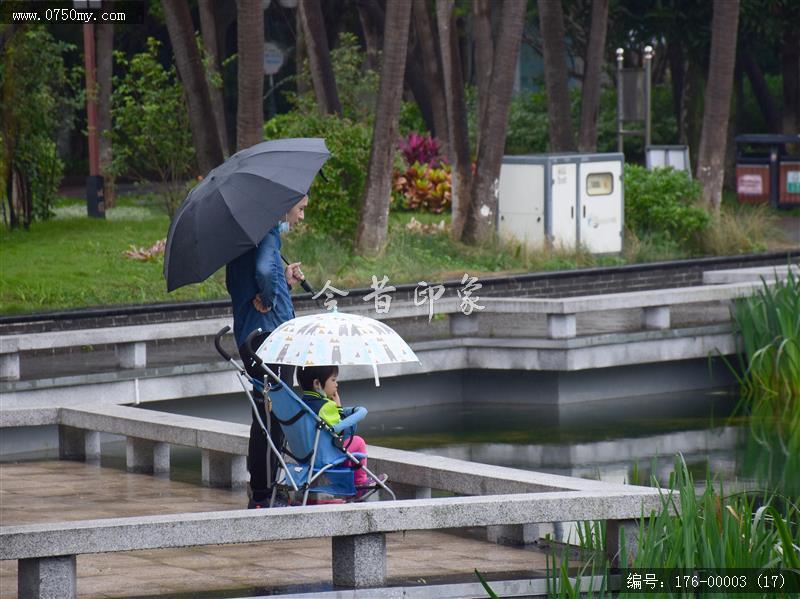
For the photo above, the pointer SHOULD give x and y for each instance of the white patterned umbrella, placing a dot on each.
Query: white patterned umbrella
(335, 338)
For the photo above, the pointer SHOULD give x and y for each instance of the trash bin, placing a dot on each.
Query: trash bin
(768, 170)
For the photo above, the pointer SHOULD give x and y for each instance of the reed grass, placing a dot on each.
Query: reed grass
(768, 326)
(692, 530)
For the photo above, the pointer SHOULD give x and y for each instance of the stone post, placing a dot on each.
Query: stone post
(359, 560)
(561, 326)
(221, 469)
(48, 578)
(614, 531)
(71, 443)
(146, 457)
(132, 355)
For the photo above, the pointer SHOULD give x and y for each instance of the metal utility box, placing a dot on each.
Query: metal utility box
(563, 200)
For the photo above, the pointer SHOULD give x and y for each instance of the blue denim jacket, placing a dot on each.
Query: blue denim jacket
(259, 271)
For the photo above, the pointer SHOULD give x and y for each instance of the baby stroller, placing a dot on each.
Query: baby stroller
(318, 452)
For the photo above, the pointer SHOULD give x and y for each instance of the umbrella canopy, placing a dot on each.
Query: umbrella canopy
(335, 338)
(237, 203)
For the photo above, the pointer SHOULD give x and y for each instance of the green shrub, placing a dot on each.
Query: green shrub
(151, 133)
(336, 195)
(36, 91)
(356, 86)
(662, 203)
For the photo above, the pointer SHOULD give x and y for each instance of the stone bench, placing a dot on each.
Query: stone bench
(47, 552)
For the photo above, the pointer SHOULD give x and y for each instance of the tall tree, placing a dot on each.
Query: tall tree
(590, 92)
(456, 115)
(484, 55)
(373, 34)
(554, 54)
(208, 27)
(790, 69)
(711, 156)
(250, 72)
(190, 69)
(483, 203)
(105, 65)
(319, 57)
(373, 225)
(432, 71)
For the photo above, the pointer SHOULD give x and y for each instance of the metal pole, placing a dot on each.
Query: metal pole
(648, 59)
(94, 183)
(620, 58)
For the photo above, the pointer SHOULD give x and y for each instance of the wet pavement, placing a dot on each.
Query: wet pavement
(53, 491)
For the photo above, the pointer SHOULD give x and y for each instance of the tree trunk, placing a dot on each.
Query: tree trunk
(319, 57)
(190, 69)
(373, 34)
(301, 53)
(105, 65)
(554, 54)
(208, 26)
(461, 176)
(484, 56)
(790, 68)
(373, 226)
(250, 73)
(677, 71)
(760, 90)
(483, 205)
(711, 155)
(590, 92)
(433, 73)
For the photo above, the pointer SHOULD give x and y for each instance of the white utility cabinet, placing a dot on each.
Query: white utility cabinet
(563, 200)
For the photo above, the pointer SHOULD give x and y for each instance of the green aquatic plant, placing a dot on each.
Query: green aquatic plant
(768, 326)
(691, 530)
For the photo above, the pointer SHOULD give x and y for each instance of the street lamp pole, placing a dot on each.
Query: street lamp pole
(95, 204)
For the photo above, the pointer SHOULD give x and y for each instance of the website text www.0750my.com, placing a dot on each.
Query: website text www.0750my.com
(68, 15)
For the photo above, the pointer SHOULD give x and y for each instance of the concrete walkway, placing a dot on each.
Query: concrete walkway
(50, 491)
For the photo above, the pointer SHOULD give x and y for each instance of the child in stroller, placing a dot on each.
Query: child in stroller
(321, 393)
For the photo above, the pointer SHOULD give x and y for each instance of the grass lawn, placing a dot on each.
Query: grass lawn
(75, 262)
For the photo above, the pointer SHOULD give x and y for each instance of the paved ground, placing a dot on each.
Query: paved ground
(49, 491)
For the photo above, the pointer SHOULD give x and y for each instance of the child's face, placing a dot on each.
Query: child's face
(331, 386)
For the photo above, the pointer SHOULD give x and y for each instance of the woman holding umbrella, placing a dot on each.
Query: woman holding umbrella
(234, 218)
(259, 287)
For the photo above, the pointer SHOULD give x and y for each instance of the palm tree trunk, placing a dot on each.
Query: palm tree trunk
(433, 72)
(190, 69)
(208, 26)
(456, 115)
(590, 94)
(790, 69)
(373, 35)
(105, 65)
(373, 226)
(484, 55)
(711, 156)
(319, 57)
(554, 53)
(250, 72)
(483, 205)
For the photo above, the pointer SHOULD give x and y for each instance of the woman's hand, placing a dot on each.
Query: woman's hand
(293, 273)
(258, 304)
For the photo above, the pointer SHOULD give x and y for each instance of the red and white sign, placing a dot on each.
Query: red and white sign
(750, 185)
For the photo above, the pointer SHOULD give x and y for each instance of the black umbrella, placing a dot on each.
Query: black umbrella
(232, 209)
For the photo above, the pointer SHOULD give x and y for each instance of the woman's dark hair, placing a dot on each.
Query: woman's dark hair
(306, 376)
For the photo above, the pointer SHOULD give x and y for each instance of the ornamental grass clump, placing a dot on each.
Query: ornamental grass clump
(768, 326)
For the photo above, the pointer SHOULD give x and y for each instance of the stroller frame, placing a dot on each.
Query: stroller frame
(284, 477)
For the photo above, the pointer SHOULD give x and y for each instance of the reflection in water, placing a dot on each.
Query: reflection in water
(602, 439)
